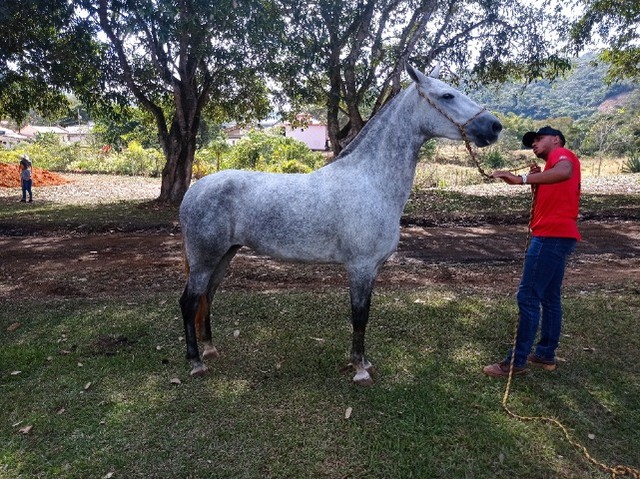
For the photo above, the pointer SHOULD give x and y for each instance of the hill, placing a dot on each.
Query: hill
(578, 95)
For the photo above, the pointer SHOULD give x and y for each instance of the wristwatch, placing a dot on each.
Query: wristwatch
(524, 179)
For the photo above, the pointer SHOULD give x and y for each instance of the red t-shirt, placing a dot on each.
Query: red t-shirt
(556, 209)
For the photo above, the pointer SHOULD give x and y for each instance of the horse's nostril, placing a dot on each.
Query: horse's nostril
(497, 126)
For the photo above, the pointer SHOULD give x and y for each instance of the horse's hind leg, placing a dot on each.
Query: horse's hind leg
(204, 327)
(191, 305)
(195, 304)
(361, 285)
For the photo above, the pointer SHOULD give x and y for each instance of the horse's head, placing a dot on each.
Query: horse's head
(455, 116)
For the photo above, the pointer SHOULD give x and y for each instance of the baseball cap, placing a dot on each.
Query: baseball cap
(527, 139)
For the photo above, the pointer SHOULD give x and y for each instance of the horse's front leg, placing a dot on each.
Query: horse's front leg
(361, 286)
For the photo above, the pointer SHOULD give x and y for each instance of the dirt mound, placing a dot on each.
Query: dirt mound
(10, 177)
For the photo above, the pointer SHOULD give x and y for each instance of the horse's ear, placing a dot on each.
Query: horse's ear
(435, 73)
(413, 73)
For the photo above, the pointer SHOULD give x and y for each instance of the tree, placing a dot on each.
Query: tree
(175, 59)
(351, 53)
(617, 24)
(43, 48)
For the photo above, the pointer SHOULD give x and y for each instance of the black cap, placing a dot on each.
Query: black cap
(527, 139)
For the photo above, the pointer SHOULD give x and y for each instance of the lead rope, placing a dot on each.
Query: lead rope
(615, 471)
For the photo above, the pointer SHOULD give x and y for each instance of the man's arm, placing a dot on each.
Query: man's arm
(561, 171)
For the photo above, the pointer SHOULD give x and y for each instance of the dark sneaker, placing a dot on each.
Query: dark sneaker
(501, 370)
(542, 363)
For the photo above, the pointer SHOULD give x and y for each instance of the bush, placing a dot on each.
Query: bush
(632, 165)
(493, 159)
(428, 150)
(290, 166)
(270, 151)
(55, 156)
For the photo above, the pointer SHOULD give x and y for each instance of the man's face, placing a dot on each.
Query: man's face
(544, 144)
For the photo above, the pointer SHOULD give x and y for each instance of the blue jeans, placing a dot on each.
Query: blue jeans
(541, 285)
(26, 188)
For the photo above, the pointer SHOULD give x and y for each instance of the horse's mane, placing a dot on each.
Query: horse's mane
(367, 127)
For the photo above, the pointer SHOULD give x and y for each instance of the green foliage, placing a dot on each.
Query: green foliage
(493, 158)
(618, 25)
(270, 151)
(119, 125)
(428, 150)
(350, 65)
(290, 166)
(632, 164)
(45, 51)
(134, 160)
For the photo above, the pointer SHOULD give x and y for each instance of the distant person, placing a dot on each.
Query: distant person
(554, 232)
(25, 178)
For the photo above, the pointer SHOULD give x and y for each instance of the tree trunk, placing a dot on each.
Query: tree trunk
(179, 143)
(177, 171)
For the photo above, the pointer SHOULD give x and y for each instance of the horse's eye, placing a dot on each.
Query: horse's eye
(447, 96)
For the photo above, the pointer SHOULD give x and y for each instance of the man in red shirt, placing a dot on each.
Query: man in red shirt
(554, 234)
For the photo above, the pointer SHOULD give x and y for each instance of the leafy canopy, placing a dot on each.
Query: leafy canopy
(617, 23)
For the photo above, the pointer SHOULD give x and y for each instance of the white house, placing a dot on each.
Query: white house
(9, 138)
(313, 133)
(236, 132)
(78, 132)
(32, 131)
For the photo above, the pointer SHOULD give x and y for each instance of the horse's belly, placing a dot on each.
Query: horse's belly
(325, 245)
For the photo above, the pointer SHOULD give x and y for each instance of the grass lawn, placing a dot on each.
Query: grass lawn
(99, 388)
(94, 385)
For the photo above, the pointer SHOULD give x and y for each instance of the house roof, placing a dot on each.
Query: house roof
(47, 129)
(11, 134)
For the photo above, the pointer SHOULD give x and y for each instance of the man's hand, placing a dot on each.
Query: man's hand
(507, 177)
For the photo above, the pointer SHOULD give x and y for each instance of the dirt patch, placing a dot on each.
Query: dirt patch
(10, 177)
(471, 256)
(486, 258)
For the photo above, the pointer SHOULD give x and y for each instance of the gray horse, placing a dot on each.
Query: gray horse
(347, 212)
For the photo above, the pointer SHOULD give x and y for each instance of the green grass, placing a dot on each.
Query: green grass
(273, 405)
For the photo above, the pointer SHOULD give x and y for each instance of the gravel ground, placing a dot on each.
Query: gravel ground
(85, 188)
(92, 189)
(613, 185)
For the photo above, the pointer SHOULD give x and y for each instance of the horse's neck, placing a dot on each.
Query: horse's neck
(388, 151)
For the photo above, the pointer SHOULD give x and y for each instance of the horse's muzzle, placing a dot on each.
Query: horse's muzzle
(484, 130)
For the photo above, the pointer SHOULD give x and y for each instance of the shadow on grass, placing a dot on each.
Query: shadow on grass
(273, 405)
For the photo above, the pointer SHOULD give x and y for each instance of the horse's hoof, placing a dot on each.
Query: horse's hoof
(363, 378)
(198, 370)
(210, 352)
